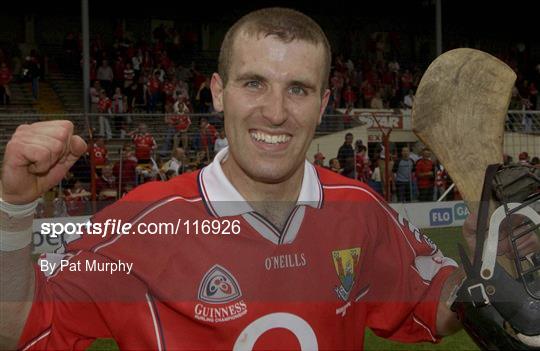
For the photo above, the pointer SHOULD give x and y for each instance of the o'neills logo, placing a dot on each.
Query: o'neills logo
(219, 287)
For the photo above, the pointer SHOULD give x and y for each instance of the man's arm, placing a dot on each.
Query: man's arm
(37, 157)
(16, 284)
(447, 321)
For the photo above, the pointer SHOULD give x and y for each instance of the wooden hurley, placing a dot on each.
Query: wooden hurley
(459, 112)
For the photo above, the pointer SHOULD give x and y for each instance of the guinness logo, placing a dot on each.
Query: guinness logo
(218, 286)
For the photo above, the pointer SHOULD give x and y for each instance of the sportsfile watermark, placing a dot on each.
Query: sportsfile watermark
(114, 226)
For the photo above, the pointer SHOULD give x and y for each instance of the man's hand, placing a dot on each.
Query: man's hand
(36, 159)
(525, 245)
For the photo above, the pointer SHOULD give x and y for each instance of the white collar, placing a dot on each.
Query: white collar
(222, 199)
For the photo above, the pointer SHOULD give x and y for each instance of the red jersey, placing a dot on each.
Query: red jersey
(208, 136)
(106, 187)
(181, 122)
(129, 174)
(75, 202)
(100, 155)
(423, 166)
(154, 85)
(349, 97)
(168, 87)
(5, 76)
(363, 172)
(144, 144)
(406, 80)
(343, 262)
(441, 177)
(104, 105)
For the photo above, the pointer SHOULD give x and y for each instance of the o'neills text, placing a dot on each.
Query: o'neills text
(220, 314)
(87, 266)
(285, 261)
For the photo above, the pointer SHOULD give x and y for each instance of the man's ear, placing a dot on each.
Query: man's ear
(216, 86)
(324, 102)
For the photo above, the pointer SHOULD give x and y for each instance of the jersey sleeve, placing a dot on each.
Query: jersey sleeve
(73, 306)
(83, 297)
(406, 281)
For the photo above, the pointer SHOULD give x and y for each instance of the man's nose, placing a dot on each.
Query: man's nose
(274, 107)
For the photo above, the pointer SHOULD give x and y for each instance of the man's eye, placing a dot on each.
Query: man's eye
(253, 84)
(297, 90)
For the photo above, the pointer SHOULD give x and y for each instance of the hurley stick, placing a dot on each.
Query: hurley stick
(459, 113)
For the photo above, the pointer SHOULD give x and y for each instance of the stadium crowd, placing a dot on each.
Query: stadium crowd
(135, 76)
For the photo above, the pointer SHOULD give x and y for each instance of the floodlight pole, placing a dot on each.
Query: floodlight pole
(86, 95)
(438, 26)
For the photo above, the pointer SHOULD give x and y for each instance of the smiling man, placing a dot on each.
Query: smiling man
(269, 251)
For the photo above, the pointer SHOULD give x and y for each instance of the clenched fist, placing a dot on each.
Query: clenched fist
(36, 159)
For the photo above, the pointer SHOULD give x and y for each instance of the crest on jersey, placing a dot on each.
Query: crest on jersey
(219, 286)
(346, 264)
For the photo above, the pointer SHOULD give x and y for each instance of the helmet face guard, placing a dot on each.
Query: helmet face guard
(499, 304)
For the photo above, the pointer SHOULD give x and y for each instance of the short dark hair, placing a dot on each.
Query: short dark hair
(285, 24)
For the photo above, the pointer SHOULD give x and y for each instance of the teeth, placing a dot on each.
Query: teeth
(270, 139)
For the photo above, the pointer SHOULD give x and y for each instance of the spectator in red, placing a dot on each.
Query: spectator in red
(104, 109)
(147, 61)
(406, 81)
(349, 96)
(165, 60)
(106, 187)
(347, 117)
(129, 75)
(425, 175)
(206, 137)
(76, 199)
(100, 153)
(441, 179)
(93, 69)
(144, 144)
(5, 78)
(181, 122)
(168, 90)
(368, 92)
(118, 72)
(128, 167)
(178, 121)
(153, 91)
(363, 172)
(204, 97)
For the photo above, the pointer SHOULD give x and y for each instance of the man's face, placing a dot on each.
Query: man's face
(107, 171)
(405, 153)
(426, 154)
(272, 105)
(348, 139)
(179, 153)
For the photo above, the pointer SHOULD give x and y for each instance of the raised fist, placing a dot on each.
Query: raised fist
(36, 158)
